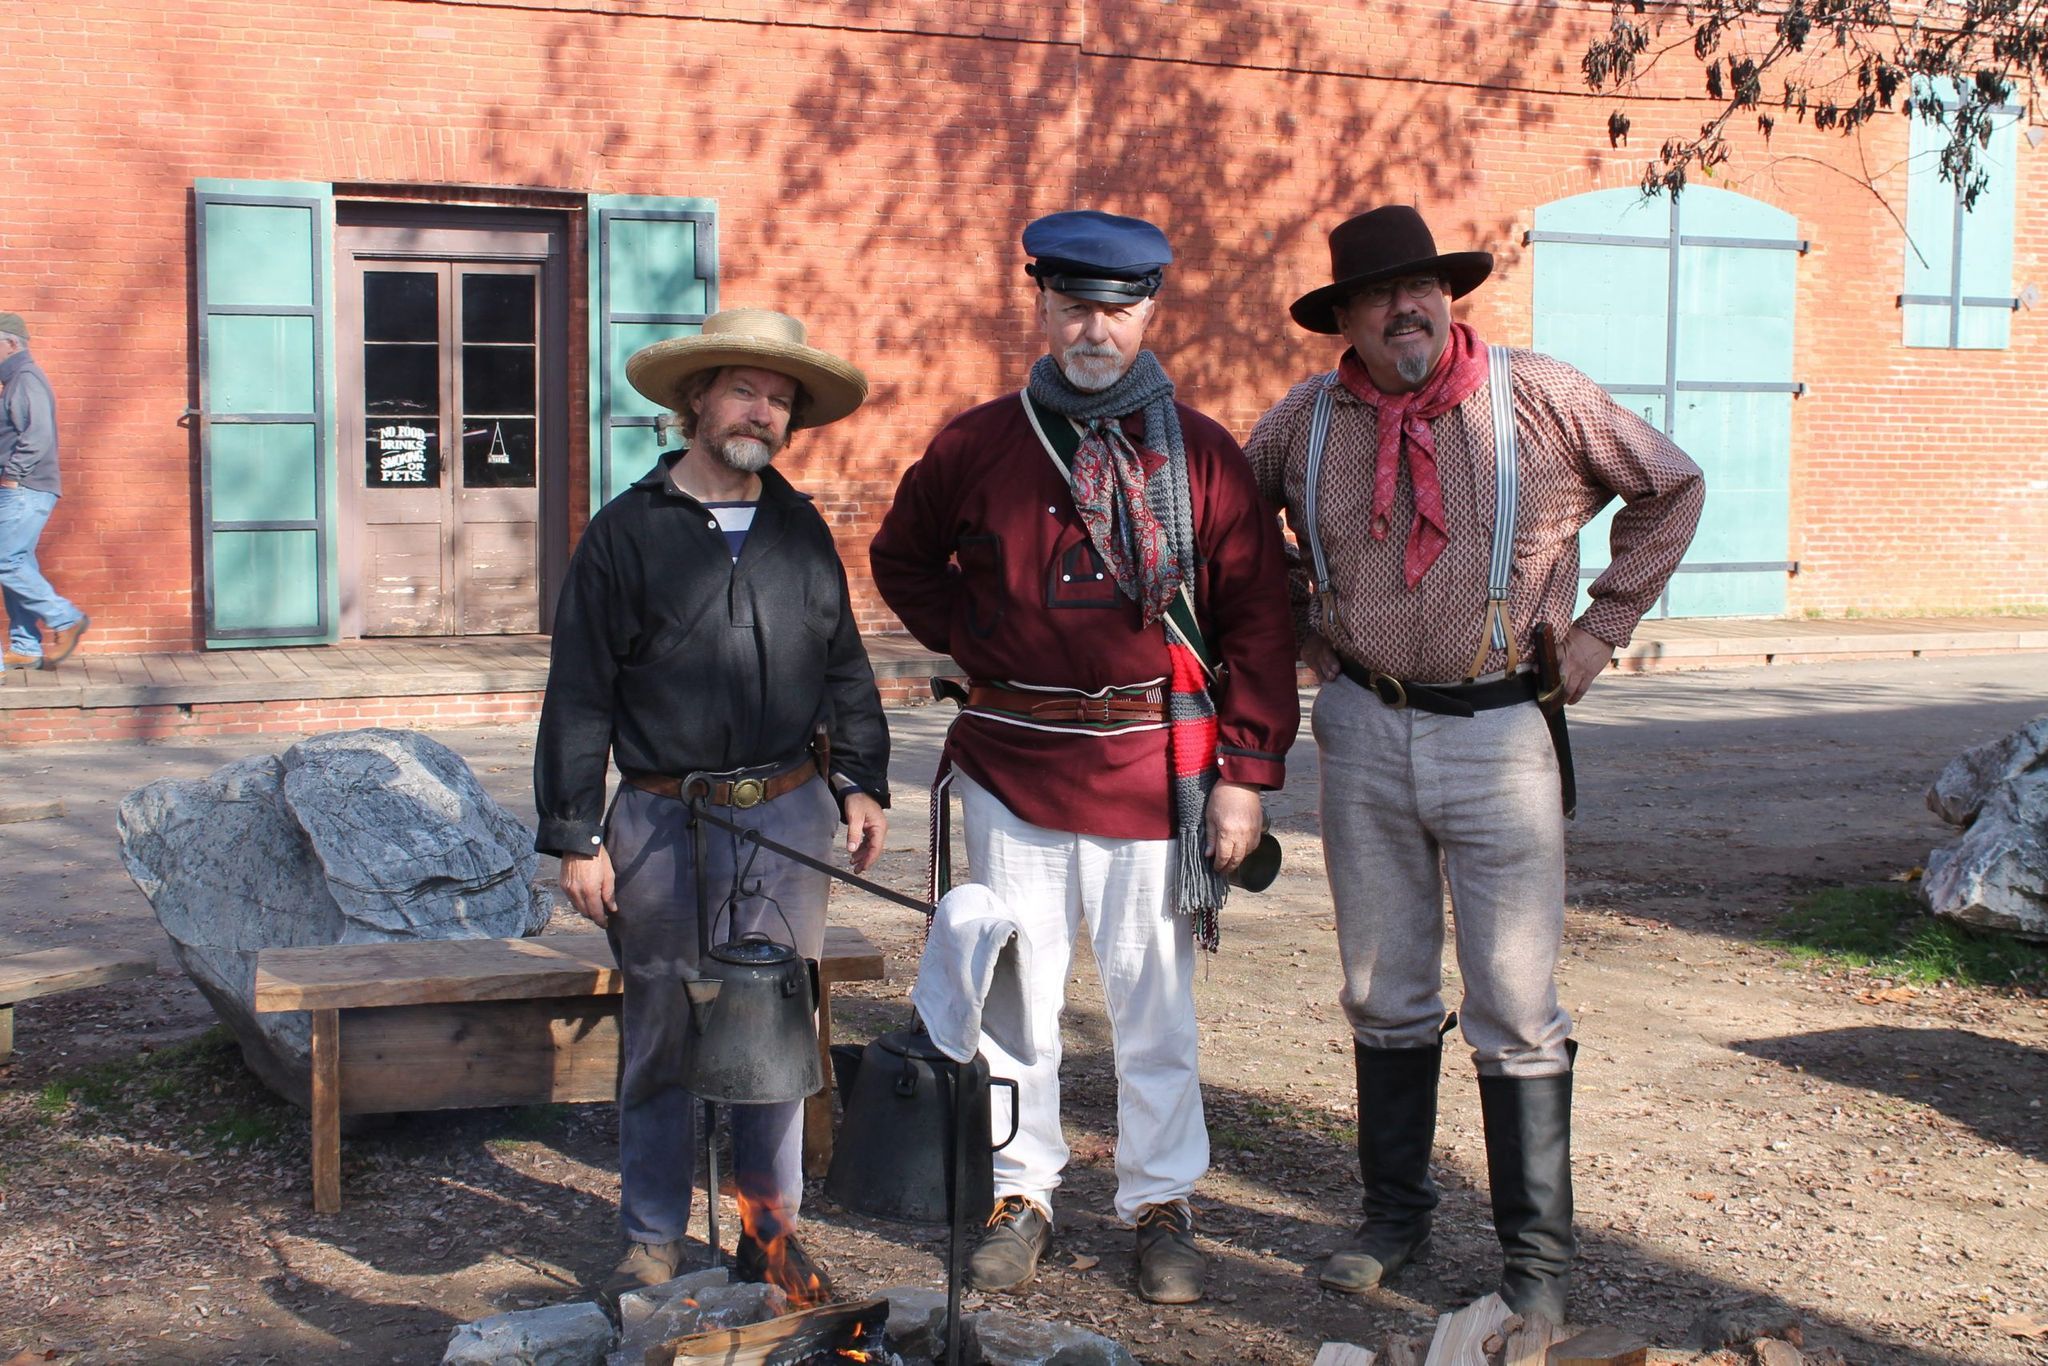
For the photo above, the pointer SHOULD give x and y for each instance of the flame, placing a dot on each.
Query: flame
(797, 1280)
(854, 1354)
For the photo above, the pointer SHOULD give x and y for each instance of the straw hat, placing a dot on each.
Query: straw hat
(757, 337)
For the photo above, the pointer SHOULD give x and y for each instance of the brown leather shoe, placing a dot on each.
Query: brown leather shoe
(21, 661)
(63, 642)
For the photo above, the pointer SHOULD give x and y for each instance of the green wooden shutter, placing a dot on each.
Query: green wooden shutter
(1958, 287)
(654, 274)
(266, 404)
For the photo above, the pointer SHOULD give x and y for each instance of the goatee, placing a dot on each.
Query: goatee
(1091, 369)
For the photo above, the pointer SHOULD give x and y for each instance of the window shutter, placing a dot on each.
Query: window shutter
(654, 275)
(1958, 281)
(266, 377)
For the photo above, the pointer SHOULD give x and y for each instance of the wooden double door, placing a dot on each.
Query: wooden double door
(447, 437)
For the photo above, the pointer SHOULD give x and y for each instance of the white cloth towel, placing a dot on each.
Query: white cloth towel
(975, 977)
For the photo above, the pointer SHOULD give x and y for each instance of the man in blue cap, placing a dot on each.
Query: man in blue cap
(1095, 556)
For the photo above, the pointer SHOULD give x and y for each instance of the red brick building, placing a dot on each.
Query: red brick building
(336, 295)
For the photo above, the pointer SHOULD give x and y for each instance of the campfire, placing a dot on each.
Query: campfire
(834, 1333)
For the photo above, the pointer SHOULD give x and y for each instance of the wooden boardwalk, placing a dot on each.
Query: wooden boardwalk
(513, 664)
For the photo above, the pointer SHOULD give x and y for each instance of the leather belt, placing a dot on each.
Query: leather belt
(1442, 699)
(1068, 707)
(741, 792)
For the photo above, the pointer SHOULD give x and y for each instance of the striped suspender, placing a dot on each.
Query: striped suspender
(1494, 629)
(1318, 436)
(1494, 632)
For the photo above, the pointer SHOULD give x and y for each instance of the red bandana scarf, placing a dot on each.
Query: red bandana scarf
(1404, 422)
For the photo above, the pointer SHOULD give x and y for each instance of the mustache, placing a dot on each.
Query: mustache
(1422, 319)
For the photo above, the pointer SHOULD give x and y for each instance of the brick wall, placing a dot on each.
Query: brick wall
(873, 164)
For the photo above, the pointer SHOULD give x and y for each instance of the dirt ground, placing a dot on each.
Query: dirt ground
(1753, 1137)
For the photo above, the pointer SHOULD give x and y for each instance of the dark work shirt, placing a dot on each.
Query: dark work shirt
(673, 658)
(28, 425)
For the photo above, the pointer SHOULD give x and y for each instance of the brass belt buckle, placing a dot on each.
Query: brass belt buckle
(748, 792)
(1400, 697)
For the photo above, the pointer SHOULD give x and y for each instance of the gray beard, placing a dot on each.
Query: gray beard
(1089, 371)
(746, 454)
(1412, 366)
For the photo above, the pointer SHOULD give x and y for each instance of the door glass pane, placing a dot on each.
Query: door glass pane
(401, 306)
(497, 308)
(497, 453)
(500, 357)
(402, 379)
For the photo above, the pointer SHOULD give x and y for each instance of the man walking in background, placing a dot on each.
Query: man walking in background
(29, 489)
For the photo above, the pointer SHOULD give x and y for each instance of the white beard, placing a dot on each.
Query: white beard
(1091, 369)
(747, 454)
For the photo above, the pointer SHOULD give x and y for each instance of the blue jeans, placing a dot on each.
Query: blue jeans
(653, 934)
(28, 594)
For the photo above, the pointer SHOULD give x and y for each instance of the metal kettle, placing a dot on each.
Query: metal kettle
(753, 1024)
(889, 1159)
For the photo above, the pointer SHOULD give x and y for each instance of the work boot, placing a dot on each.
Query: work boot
(1170, 1266)
(1396, 1130)
(791, 1270)
(16, 660)
(643, 1265)
(1007, 1256)
(63, 641)
(1529, 1166)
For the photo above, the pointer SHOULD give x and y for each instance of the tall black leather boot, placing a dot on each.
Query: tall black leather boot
(1396, 1130)
(1529, 1166)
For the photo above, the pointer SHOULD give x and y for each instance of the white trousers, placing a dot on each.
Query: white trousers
(1054, 881)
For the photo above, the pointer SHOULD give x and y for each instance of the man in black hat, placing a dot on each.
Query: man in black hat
(1438, 487)
(1094, 555)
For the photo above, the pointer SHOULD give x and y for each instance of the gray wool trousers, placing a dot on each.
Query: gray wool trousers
(654, 935)
(1411, 802)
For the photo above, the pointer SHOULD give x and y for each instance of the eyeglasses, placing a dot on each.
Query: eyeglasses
(1411, 287)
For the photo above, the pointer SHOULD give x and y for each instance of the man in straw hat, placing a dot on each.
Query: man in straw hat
(703, 639)
(1437, 572)
(1094, 555)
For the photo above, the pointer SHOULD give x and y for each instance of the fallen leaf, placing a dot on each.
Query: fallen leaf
(1701, 1195)
(2021, 1325)
(1912, 874)
(1086, 1263)
(1890, 995)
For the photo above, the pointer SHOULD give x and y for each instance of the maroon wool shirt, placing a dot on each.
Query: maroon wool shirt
(985, 559)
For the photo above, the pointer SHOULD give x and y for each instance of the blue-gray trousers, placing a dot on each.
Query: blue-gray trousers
(654, 935)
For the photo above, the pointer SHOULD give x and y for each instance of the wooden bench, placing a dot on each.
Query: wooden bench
(447, 1024)
(25, 976)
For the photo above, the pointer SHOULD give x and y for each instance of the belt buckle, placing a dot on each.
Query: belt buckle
(1099, 706)
(1400, 698)
(748, 792)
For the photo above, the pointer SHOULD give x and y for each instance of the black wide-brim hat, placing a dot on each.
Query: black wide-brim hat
(1385, 244)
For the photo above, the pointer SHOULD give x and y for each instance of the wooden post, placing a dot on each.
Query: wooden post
(6, 1033)
(327, 1111)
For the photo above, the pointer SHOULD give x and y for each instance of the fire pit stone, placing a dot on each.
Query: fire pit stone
(559, 1335)
(636, 1305)
(1006, 1340)
(917, 1323)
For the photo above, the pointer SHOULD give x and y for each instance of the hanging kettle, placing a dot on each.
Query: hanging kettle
(753, 1024)
(889, 1159)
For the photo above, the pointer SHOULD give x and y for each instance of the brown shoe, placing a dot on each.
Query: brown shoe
(786, 1266)
(21, 661)
(63, 642)
(1170, 1267)
(644, 1264)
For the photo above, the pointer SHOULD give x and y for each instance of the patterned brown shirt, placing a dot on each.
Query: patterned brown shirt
(1577, 449)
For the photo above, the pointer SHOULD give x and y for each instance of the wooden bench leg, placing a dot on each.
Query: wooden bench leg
(327, 1111)
(818, 1107)
(6, 1033)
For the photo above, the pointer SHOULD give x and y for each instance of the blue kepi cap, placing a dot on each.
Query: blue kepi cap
(1094, 255)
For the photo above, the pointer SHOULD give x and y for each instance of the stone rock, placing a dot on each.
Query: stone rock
(1973, 777)
(700, 1311)
(1995, 877)
(262, 854)
(560, 1335)
(917, 1323)
(1005, 1340)
(411, 844)
(635, 1306)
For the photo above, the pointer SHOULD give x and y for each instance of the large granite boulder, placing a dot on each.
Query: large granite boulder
(1996, 876)
(559, 1335)
(350, 838)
